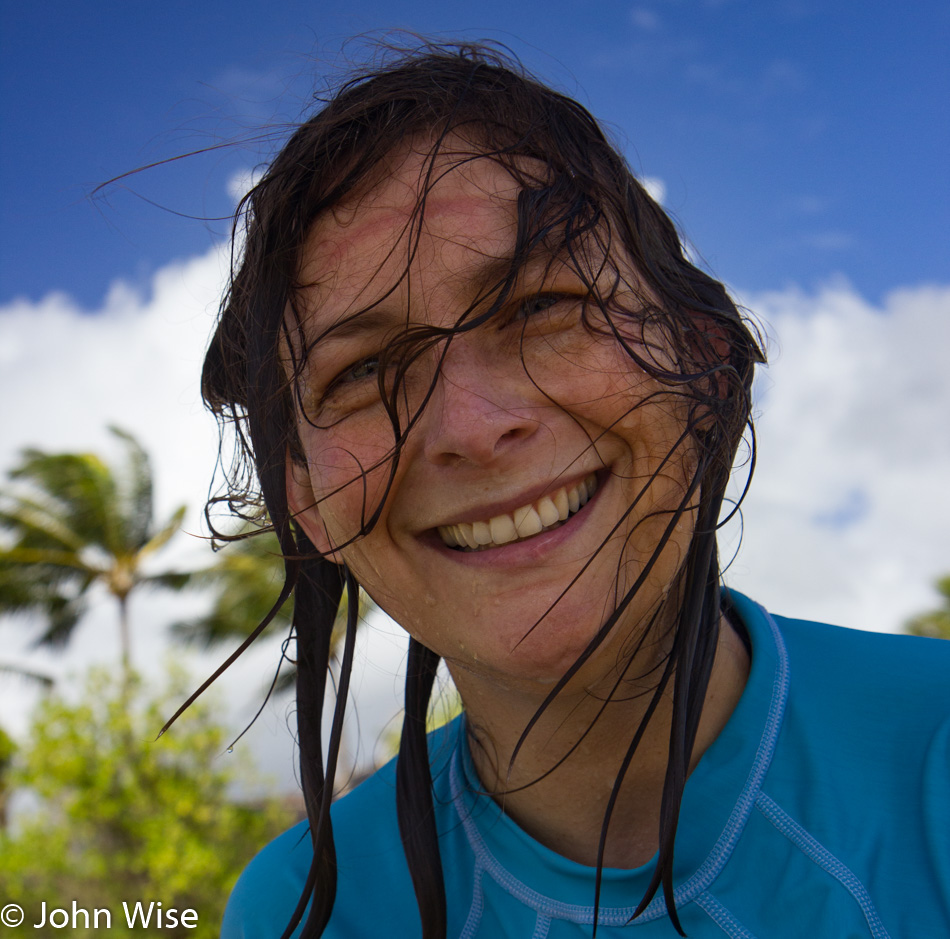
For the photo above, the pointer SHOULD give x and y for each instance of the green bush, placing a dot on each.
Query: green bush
(122, 816)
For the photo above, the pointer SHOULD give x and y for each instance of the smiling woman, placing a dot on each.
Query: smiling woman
(475, 375)
(509, 420)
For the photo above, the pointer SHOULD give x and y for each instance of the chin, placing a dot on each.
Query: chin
(537, 661)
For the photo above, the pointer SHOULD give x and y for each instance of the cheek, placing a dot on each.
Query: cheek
(582, 361)
(622, 403)
(348, 476)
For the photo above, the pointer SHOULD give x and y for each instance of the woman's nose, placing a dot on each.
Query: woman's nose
(480, 408)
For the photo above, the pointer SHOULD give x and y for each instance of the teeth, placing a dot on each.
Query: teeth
(547, 512)
(502, 529)
(524, 522)
(574, 498)
(527, 522)
(482, 532)
(466, 536)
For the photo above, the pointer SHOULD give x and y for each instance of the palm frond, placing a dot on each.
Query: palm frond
(171, 580)
(133, 503)
(62, 616)
(78, 487)
(46, 557)
(162, 537)
(28, 674)
(37, 524)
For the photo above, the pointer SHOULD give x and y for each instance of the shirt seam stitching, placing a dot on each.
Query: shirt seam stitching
(820, 855)
(704, 875)
(722, 917)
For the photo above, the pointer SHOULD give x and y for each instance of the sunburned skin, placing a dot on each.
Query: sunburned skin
(516, 414)
(472, 551)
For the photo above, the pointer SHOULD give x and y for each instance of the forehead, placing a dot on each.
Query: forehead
(446, 216)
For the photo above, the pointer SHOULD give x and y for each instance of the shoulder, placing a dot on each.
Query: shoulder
(856, 784)
(374, 889)
(862, 713)
(368, 847)
(885, 669)
(835, 665)
(267, 892)
(874, 708)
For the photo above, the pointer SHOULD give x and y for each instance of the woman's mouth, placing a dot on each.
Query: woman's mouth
(548, 513)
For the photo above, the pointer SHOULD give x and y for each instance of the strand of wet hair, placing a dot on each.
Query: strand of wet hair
(414, 798)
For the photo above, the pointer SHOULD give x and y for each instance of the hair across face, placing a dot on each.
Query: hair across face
(537, 408)
(467, 359)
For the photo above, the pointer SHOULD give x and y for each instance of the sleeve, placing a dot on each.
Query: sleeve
(267, 892)
(935, 799)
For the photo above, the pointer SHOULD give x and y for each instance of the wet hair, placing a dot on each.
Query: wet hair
(578, 202)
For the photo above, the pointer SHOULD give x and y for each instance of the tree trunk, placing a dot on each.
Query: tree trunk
(124, 641)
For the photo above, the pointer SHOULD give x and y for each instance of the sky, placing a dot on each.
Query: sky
(800, 145)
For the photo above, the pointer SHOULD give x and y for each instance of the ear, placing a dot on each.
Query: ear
(303, 508)
(712, 349)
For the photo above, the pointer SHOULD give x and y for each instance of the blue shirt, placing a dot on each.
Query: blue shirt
(821, 810)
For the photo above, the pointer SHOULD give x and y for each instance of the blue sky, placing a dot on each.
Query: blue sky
(796, 138)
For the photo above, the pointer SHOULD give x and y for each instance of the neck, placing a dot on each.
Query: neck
(558, 788)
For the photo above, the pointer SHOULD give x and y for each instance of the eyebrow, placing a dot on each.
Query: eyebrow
(382, 316)
(361, 322)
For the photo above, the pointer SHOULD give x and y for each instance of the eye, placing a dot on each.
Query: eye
(361, 375)
(367, 368)
(531, 306)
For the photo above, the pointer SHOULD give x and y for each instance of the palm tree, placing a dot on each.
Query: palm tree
(75, 522)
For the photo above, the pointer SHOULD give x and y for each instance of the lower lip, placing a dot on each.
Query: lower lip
(528, 552)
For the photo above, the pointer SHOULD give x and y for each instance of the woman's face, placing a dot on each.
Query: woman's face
(538, 437)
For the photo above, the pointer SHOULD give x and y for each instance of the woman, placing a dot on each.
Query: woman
(477, 377)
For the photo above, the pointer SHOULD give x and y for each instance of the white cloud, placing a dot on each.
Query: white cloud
(655, 188)
(135, 362)
(848, 513)
(241, 183)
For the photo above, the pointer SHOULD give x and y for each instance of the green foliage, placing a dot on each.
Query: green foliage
(126, 817)
(7, 750)
(936, 623)
(75, 522)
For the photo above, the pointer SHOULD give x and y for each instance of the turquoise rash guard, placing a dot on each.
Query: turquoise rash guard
(821, 810)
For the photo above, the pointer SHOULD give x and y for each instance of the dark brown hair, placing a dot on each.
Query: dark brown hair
(585, 195)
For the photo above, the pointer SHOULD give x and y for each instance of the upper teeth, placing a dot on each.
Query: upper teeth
(528, 520)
